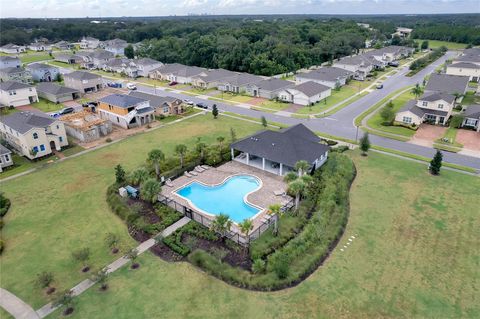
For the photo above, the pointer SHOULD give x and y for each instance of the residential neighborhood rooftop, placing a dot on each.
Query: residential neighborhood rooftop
(122, 100)
(472, 111)
(13, 85)
(447, 83)
(82, 75)
(24, 121)
(436, 96)
(274, 84)
(154, 99)
(325, 74)
(4, 150)
(311, 88)
(54, 88)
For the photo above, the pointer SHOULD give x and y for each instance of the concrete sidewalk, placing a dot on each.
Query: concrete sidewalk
(15, 306)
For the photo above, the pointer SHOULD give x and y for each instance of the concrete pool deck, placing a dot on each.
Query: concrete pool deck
(263, 197)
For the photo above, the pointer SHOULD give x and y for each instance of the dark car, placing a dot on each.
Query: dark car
(202, 105)
(66, 110)
(379, 86)
(172, 83)
(393, 63)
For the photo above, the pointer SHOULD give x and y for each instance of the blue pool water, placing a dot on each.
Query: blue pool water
(226, 198)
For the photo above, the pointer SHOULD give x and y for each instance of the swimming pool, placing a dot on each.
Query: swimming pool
(225, 198)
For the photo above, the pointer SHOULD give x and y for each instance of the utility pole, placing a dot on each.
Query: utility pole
(356, 135)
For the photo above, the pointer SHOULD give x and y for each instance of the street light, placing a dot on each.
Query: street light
(356, 135)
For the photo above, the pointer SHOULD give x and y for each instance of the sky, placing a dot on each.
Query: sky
(117, 8)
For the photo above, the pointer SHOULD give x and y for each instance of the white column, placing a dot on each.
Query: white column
(263, 163)
(248, 158)
(231, 151)
(281, 169)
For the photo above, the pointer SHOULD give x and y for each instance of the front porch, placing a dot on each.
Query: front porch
(435, 119)
(261, 163)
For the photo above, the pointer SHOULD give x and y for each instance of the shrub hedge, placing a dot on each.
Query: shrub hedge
(174, 241)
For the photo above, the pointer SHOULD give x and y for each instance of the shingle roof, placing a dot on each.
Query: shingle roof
(12, 85)
(53, 88)
(240, 79)
(40, 66)
(412, 107)
(326, 74)
(216, 75)
(432, 97)
(11, 46)
(4, 150)
(8, 58)
(122, 100)
(155, 100)
(473, 111)
(286, 146)
(11, 70)
(82, 75)
(464, 65)
(447, 83)
(470, 55)
(145, 61)
(25, 121)
(170, 68)
(145, 110)
(102, 54)
(355, 60)
(311, 88)
(274, 84)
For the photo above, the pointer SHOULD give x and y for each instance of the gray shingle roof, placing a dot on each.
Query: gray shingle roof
(53, 88)
(144, 110)
(418, 111)
(432, 97)
(473, 111)
(286, 146)
(11, 46)
(470, 55)
(4, 150)
(12, 70)
(330, 74)
(12, 85)
(8, 58)
(274, 84)
(447, 83)
(240, 79)
(122, 100)
(40, 66)
(25, 121)
(464, 65)
(82, 75)
(217, 75)
(145, 61)
(155, 100)
(356, 60)
(311, 88)
(102, 54)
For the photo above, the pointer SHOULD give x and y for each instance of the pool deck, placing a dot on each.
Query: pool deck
(263, 197)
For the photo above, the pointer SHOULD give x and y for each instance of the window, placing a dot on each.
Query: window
(440, 106)
(60, 139)
(165, 109)
(42, 147)
(7, 158)
(58, 127)
(35, 149)
(424, 103)
(35, 136)
(407, 119)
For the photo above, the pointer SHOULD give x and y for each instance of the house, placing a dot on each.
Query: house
(176, 72)
(116, 65)
(360, 65)
(238, 82)
(39, 46)
(100, 57)
(472, 117)
(56, 93)
(86, 61)
(15, 74)
(445, 83)
(125, 111)
(433, 108)
(84, 82)
(89, 43)
(268, 88)
(68, 58)
(86, 126)
(17, 93)
(307, 93)
(278, 151)
(211, 78)
(145, 65)
(64, 45)
(6, 159)
(115, 46)
(469, 69)
(402, 32)
(9, 62)
(390, 54)
(43, 72)
(33, 134)
(471, 55)
(329, 76)
(12, 48)
(163, 105)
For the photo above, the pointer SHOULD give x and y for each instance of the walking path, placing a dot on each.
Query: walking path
(117, 264)
(15, 306)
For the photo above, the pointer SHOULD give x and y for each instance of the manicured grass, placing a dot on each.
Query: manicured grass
(234, 97)
(64, 65)
(22, 164)
(200, 91)
(274, 105)
(336, 97)
(47, 106)
(153, 82)
(413, 257)
(34, 57)
(62, 207)
(433, 44)
(376, 120)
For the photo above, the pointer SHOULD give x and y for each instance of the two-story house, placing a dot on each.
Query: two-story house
(85, 82)
(450, 84)
(126, 111)
(115, 46)
(146, 65)
(33, 134)
(6, 159)
(16, 74)
(163, 105)
(467, 64)
(17, 93)
(43, 72)
(360, 65)
(9, 62)
(89, 43)
(433, 108)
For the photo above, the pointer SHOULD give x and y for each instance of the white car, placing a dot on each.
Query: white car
(188, 102)
(131, 86)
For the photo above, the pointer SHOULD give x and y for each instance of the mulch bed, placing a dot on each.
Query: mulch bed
(147, 210)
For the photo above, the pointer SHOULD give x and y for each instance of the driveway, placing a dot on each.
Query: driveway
(469, 139)
(427, 134)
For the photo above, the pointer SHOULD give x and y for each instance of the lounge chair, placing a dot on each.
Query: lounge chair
(279, 192)
(187, 174)
(169, 183)
(193, 173)
(199, 169)
(205, 167)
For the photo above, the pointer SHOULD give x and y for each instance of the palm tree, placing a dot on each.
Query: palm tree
(296, 188)
(200, 147)
(275, 209)
(417, 90)
(155, 157)
(181, 150)
(246, 227)
(457, 96)
(221, 224)
(220, 140)
(138, 176)
(301, 167)
(290, 177)
(150, 189)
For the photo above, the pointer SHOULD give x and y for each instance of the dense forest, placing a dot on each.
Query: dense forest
(256, 44)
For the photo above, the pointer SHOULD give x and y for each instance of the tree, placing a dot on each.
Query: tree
(275, 210)
(221, 224)
(44, 280)
(214, 111)
(436, 163)
(101, 278)
(150, 190)
(138, 176)
(364, 144)
(337, 86)
(457, 95)
(290, 177)
(456, 121)
(200, 148)
(424, 45)
(129, 52)
(417, 90)
(155, 157)
(181, 150)
(233, 135)
(66, 299)
(59, 77)
(132, 255)
(246, 227)
(111, 240)
(301, 167)
(220, 140)
(82, 256)
(264, 121)
(387, 114)
(296, 188)
(119, 174)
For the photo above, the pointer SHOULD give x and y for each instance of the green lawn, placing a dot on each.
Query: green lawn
(234, 97)
(414, 256)
(376, 120)
(34, 57)
(451, 135)
(62, 207)
(200, 91)
(433, 44)
(22, 164)
(47, 106)
(64, 65)
(336, 97)
(274, 105)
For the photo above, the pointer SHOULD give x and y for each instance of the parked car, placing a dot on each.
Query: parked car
(131, 86)
(379, 86)
(114, 85)
(393, 63)
(202, 105)
(188, 102)
(172, 83)
(66, 110)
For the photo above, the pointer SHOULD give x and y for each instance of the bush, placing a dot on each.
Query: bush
(331, 142)
(4, 204)
(340, 149)
(2, 246)
(174, 241)
(258, 266)
(280, 266)
(108, 140)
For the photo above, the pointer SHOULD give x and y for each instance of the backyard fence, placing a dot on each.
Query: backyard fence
(233, 235)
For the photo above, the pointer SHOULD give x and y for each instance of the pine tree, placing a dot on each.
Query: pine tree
(436, 163)
(264, 121)
(119, 174)
(364, 144)
(214, 111)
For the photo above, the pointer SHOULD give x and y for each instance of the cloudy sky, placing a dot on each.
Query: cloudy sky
(113, 8)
